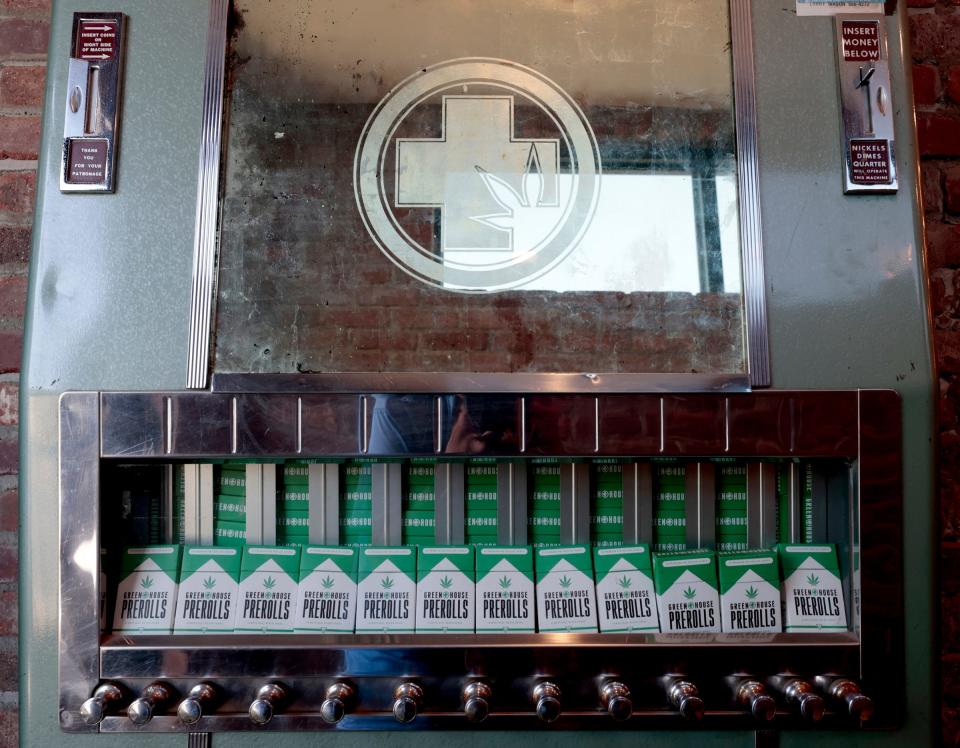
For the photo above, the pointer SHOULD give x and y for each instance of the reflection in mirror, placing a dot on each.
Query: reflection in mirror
(444, 185)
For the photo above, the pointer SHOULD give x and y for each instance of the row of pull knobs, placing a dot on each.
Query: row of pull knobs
(809, 700)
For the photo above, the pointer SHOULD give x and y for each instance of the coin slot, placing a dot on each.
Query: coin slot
(93, 99)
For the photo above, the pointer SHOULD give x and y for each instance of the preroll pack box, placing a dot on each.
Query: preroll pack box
(327, 598)
(566, 595)
(626, 600)
(387, 590)
(147, 593)
(749, 592)
(445, 589)
(505, 591)
(812, 593)
(687, 598)
(269, 577)
(209, 589)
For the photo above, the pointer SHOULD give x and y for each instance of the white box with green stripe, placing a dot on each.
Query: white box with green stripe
(505, 590)
(812, 592)
(209, 589)
(749, 592)
(445, 589)
(566, 596)
(387, 589)
(327, 597)
(626, 600)
(269, 577)
(147, 593)
(687, 598)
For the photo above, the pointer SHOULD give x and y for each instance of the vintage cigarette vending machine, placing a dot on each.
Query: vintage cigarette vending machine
(477, 371)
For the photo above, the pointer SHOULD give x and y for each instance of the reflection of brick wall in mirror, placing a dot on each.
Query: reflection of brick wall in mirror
(303, 286)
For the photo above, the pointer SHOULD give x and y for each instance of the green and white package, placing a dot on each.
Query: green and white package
(445, 589)
(327, 599)
(505, 591)
(566, 596)
(812, 592)
(147, 593)
(269, 577)
(626, 600)
(209, 589)
(387, 590)
(749, 592)
(687, 598)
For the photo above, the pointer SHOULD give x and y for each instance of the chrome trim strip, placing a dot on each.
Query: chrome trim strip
(700, 504)
(761, 505)
(191, 503)
(466, 383)
(203, 285)
(78, 622)
(205, 513)
(748, 178)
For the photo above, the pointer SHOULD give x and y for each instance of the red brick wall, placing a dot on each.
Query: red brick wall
(935, 37)
(23, 44)
(935, 31)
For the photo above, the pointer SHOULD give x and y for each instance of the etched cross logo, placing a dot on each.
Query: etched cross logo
(486, 182)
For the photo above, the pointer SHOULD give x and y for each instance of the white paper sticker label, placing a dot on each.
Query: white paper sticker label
(838, 7)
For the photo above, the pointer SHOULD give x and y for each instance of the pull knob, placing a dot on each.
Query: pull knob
(94, 709)
(801, 695)
(407, 700)
(338, 698)
(685, 697)
(615, 697)
(753, 695)
(547, 698)
(270, 698)
(476, 701)
(845, 692)
(191, 708)
(155, 695)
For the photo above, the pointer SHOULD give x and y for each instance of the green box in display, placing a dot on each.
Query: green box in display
(687, 597)
(626, 598)
(327, 593)
(445, 589)
(147, 592)
(386, 591)
(813, 597)
(505, 589)
(749, 592)
(269, 578)
(209, 589)
(566, 595)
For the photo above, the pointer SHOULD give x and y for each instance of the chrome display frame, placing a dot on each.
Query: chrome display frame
(861, 428)
(200, 352)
